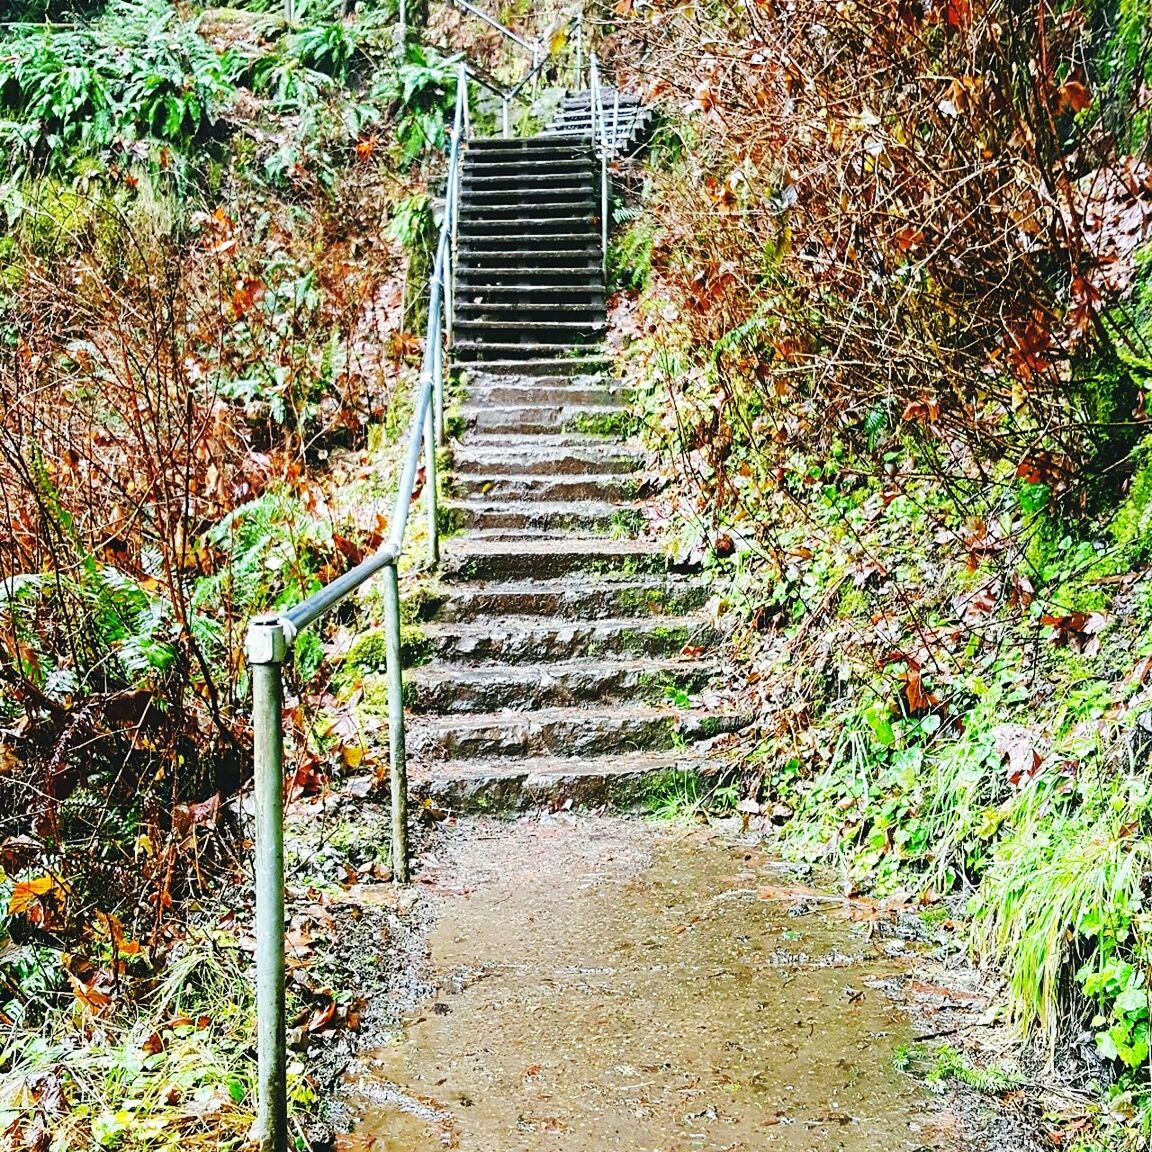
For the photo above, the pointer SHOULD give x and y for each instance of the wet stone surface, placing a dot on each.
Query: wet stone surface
(603, 983)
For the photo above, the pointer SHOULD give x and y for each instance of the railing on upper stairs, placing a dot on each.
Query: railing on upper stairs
(538, 51)
(270, 638)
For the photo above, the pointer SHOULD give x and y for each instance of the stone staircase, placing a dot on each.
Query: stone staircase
(558, 636)
(627, 122)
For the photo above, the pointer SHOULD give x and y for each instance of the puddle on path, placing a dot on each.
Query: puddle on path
(607, 984)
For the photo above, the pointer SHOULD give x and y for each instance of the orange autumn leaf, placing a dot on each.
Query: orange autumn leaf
(90, 997)
(1076, 96)
(27, 894)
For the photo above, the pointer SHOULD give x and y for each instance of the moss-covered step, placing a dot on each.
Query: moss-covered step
(617, 782)
(621, 728)
(583, 516)
(545, 487)
(525, 640)
(572, 599)
(450, 689)
(531, 459)
(470, 559)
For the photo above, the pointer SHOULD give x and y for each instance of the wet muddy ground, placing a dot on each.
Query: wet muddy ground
(601, 983)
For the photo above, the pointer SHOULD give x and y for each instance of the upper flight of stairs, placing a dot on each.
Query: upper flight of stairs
(529, 279)
(626, 120)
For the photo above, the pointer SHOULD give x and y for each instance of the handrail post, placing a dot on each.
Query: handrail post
(507, 118)
(437, 416)
(267, 647)
(431, 495)
(400, 33)
(397, 751)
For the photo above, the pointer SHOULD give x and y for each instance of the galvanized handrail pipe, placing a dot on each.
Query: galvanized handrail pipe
(492, 22)
(596, 102)
(450, 226)
(269, 640)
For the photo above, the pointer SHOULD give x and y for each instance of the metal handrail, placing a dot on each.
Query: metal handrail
(600, 138)
(538, 51)
(507, 33)
(270, 638)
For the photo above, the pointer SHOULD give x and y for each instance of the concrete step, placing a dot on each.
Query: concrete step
(619, 782)
(480, 377)
(577, 270)
(585, 364)
(585, 516)
(477, 319)
(517, 439)
(563, 223)
(549, 158)
(524, 640)
(528, 245)
(576, 190)
(484, 395)
(568, 599)
(532, 205)
(531, 458)
(591, 293)
(454, 689)
(500, 143)
(484, 347)
(542, 148)
(530, 177)
(477, 274)
(470, 559)
(551, 331)
(611, 728)
(542, 418)
(547, 199)
(472, 309)
(546, 489)
(547, 356)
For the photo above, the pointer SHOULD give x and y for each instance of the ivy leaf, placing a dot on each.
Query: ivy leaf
(1132, 1001)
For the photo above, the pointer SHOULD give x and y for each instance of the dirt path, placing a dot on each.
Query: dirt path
(606, 983)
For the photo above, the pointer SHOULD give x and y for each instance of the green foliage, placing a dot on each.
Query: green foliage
(273, 550)
(125, 631)
(936, 1067)
(412, 224)
(630, 251)
(141, 89)
(130, 1083)
(673, 795)
(1076, 870)
(1131, 527)
(132, 83)
(422, 93)
(1122, 991)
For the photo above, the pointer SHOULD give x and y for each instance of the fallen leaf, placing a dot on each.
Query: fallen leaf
(26, 894)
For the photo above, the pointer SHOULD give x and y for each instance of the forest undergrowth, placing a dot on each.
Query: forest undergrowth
(215, 235)
(887, 299)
